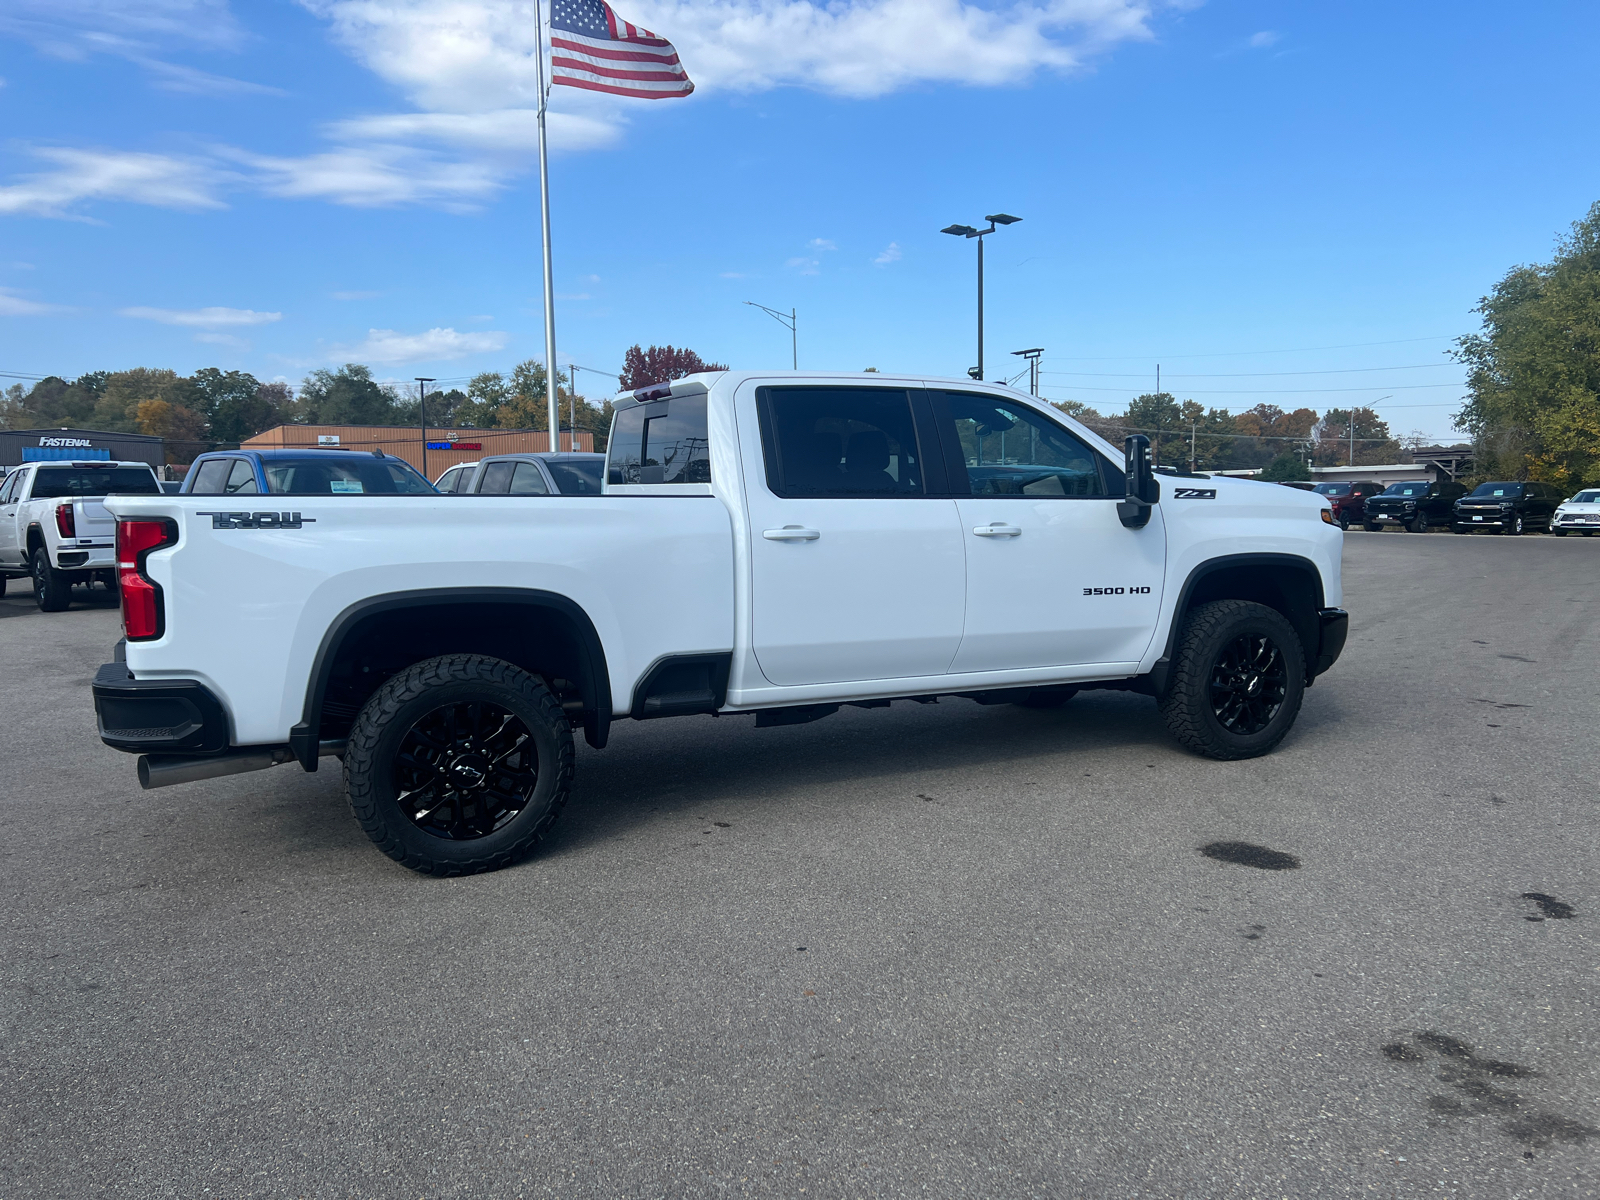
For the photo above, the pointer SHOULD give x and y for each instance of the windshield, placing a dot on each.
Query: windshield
(1589, 497)
(576, 476)
(353, 476)
(52, 482)
(1332, 489)
(1406, 489)
(1491, 490)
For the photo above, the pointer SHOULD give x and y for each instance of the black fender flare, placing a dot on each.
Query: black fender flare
(595, 687)
(1309, 627)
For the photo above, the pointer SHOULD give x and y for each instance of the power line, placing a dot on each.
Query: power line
(1401, 387)
(1253, 353)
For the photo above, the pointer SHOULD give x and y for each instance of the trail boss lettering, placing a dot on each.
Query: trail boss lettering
(1131, 591)
(256, 520)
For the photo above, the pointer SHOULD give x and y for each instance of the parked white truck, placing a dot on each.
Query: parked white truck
(776, 545)
(54, 528)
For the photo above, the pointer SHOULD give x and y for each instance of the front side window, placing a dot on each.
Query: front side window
(527, 481)
(496, 479)
(212, 477)
(840, 442)
(665, 441)
(8, 492)
(242, 478)
(1011, 450)
(449, 480)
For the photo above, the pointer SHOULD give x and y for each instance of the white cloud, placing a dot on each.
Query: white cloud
(821, 244)
(385, 347)
(511, 133)
(890, 254)
(1260, 41)
(161, 180)
(74, 28)
(806, 266)
(371, 177)
(214, 317)
(13, 305)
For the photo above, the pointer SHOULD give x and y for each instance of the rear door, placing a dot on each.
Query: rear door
(857, 567)
(1054, 579)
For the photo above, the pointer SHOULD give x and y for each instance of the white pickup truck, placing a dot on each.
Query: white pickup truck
(767, 544)
(54, 528)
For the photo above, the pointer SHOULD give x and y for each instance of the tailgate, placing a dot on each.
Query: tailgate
(93, 521)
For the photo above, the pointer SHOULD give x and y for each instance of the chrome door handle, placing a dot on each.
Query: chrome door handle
(790, 533)
(997, 529)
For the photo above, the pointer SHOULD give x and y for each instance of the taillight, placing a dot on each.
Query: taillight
(66, 526)
(143, 615)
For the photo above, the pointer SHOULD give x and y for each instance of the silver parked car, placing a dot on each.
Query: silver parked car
(1581, 514)
(558, 474)
(456, 479)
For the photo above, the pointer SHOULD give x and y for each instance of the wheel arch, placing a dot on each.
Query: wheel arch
(1288, 583)
(542, 632)
(35, 539)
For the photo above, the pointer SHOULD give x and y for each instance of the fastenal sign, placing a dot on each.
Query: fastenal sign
(65, 442)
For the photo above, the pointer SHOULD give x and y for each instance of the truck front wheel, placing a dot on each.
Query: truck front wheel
(52, 590)
(1237, 682)
(459, 764)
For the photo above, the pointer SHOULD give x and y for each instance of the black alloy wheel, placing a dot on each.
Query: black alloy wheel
(459, 764)
(1514, 525)
(465, 770)
(52, 591)
(1237, 680)
(1344, 520)
(1248, 684)
(1419, 524)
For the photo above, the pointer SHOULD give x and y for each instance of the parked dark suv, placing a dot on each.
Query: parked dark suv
(1349, 500)
(1508, 507)
(1415, 505)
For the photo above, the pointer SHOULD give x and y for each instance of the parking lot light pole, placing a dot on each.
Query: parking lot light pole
(422, 417)
(967, 231)
(789, 320)
(1032, 358)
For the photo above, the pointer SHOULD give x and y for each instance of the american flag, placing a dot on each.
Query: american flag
(591, 47)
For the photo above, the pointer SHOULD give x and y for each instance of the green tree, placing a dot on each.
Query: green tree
(1158, 416)
(1373, 441)
(1285, 466)
(349, 396)
(1533, 403)
(116, 409)
(235, 404)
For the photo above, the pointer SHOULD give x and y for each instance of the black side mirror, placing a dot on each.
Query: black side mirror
(1144, 490)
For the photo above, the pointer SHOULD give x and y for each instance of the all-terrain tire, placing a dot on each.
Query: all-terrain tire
(52, 590)
(1372, 526)
(376, 738)
(1187, 705)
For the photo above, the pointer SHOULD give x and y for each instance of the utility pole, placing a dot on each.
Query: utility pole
(1191, 446)
(422, 417)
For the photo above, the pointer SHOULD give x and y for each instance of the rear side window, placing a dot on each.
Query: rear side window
(576, 477)
(665, 441)
(1012, 450)
(840, 442)
(527, 481)
(352, 475)
(496, 478)
(242, 478)
(52, 482)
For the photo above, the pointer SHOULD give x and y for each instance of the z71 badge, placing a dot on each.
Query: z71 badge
(1194, 493)
(256, 520)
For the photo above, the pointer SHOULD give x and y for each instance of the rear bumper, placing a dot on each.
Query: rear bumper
(1333, 625)
(86, 558)
(157, 716)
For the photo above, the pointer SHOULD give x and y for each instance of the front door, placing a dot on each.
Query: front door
(857, 573)
(1054, 579)
(10, 537)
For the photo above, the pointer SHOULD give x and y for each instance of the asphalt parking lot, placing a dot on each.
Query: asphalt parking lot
(929, 951)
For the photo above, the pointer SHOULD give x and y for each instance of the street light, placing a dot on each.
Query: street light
(789, 320)
(967, 231)
(422, 417)
(1032, 357)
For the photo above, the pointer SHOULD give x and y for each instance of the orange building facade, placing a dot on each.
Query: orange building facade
(445, 447)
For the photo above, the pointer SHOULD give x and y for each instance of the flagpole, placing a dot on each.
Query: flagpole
(552, 401)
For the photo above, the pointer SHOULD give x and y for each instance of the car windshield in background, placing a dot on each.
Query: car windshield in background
(576, 477)
(52, 482)
(1332, 489)
(1488, 491)
(1406, 489)
(1587, 497)
(353, 476)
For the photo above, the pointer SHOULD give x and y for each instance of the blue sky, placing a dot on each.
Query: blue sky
(1276, 202)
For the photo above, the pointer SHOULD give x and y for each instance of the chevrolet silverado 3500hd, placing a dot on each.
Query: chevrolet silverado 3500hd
(768, 544)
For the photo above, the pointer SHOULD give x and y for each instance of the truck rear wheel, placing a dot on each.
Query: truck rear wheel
(1237, 682)
(459, 764)
(52, 590)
